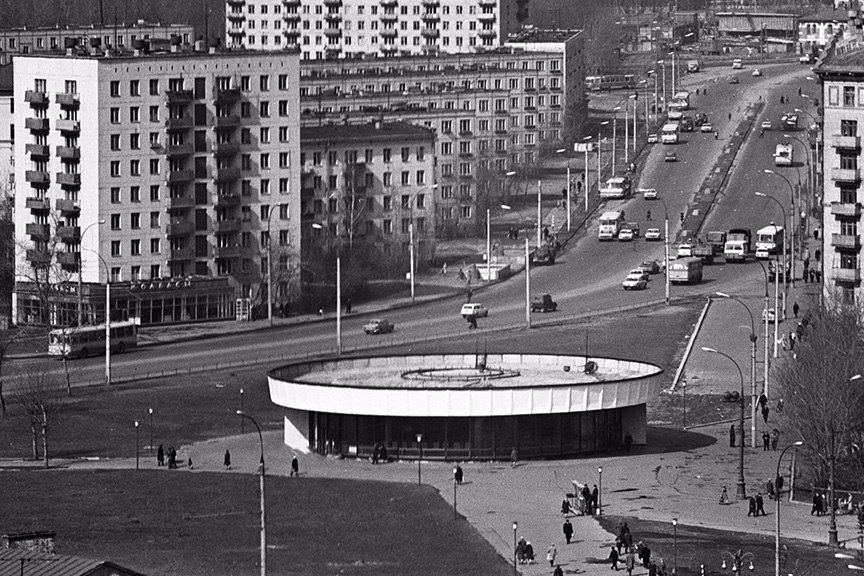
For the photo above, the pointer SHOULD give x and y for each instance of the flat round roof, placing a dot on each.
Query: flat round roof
(463, 384)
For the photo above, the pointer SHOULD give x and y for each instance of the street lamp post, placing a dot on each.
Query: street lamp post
(80, 273)
(614, 137)
(791, 232)
(107, 316)
(600, 491)
(488, 252)
(136, 445)
(752, 366)
(419, 456)
(261, 487)
(803, 199)
(150, 446)
(318, 226)
(684, 392)
(741, 492)
(570, 183)
(777, 511)
(666, 247)
(663, 63)
(527, 285)
(242, 420)
(515, 558)
(600, 154)
(765, 338)
(585, 180)
(674, 546)
(778, 272)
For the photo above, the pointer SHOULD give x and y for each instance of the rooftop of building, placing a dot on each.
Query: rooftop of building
(734, 13)
(844, 55)
(539, 35)
(92, 27)
(366, 132)
(17, 562)
(840, 16)
(157, 48)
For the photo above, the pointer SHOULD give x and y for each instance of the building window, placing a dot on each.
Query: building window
(135, 194)
(115, 88)
(848, 128)
(115, 142)
(264, 83)
(134, 87)
(154, 87)
(848, 161)
(848, 96)
(115, 195)
(154, 219)
(154, 166)
(115, 168)
(115, 248)
(154, 193)
(135, 141)
(135, 247)
(115, 221)
(465, 212)
(135, 167)
(114, 115)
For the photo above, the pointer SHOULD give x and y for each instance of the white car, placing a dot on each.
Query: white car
(766, 125)
(757, 72)
(771, 315)
(652, 234)
(635, 282)
(639, 272)
(685, 251)
(648, 193)
(706, 127)
(653, 138)
(625, 235)
(474, 309)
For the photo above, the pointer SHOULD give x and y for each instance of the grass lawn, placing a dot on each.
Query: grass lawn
(698, 545)
(203, 523)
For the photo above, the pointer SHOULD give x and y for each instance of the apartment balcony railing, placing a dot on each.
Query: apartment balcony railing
(848, 241)
(847, 210)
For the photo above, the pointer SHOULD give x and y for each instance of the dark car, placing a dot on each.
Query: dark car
(543, 257)
(544, 303)
(671, 157)
(378, 326)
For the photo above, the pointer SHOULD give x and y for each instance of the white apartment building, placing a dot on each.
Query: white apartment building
(325, 29)
(175, 176)
(7, 134)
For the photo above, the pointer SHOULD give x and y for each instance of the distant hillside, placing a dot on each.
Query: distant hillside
(85, 12)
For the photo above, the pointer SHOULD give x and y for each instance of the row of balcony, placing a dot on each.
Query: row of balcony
(846, 241)
(67, 207)
(71, 127)
(67, 234)
(838, 141)
(846, 210)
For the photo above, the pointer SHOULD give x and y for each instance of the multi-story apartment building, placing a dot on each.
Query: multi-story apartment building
(325, 29)
(15, 41)
(7, 133)
(491, 112)
(816, 30)
(369, 182)
(841, 72)
(175, 176)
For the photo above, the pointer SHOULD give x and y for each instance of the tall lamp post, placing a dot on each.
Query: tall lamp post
(80, 273)
(663, 98)
(242, 420)
(107, 316)
(136, 445)
(150, 446)
(674, 546)
(791, 230)
(666, 247)
(781, 270)
(600, 491)
(586, 139)
(803, 199)
(318, 226)
(515, 558)
(419, 456)
(269, 268)
(741, 492)
(615, 137)
(600, 154)
(752, 366)
(765, 338)
(261, 487)
(777, 511)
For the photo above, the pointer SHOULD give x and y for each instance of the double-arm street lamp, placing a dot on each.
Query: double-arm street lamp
(666, 247)
(781, 269)
(81, 272)
(777, 511)
(765, 322)
(261, 466)
(752, 366)
(741, 492)
(791, 234)
(318, 226)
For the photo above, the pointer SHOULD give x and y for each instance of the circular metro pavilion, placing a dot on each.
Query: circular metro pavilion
(465, 406)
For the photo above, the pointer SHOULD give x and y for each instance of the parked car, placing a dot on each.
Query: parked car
(648, 193)
(701, 119)
(650, 266)
(642, 273)
(772, 316)
(635, 282)
(474, 309)
(378, 326)
(653, 138)
(733, 80)
(543, 303)
(707, 127)
(625, 235)
(757, 72)
(671, 157)
(653, 234)
(766, 125)
(807, 59)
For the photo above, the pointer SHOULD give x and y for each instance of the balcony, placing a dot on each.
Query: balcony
(487, 33)
(852, 275)
(67, 207)
(388, 3)
(335, 32)
(431, 3)
(38, 257)
(38, 231)
(229, 122)
(291, 3)
(223, 149)
(236, 16)
(67, 100)
(307, 192)
(847, 241)
(227, 95)
(292, 17)
(430, 32)
(238, 32)
(227, 174)
(228, 252)
(846, 210)
(290, 33)
(37, 177)
(845, 174)
(236, 2)
(228, 200)
(487, 3)
(177, 150)
(184, 253)
(69, 152)
(431, 17)
(388, 33)
(179, 96)
(180, 229)
(37, 204)
(69, 126)
(486, 17)
(333, 3)
(183, 201)
(69, 234)
(36, 124)
(838, 141)
(175, 176)
(389, 17)
(68, 260)
(69, 180)
(38, 150)
(36, 99)
(389, 48)
(229, 225)
(333, 18)
(178, 124)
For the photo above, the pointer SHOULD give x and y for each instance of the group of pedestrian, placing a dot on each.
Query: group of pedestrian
(587, 499)
(769, 440)
(379, 453)
(171, 453)
(624, 551)
(756, 506)
(820, 503)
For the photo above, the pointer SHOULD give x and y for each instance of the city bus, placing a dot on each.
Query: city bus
(669, 134)
(84, 341)
(769, 240)
(783, 155)
(610, 224)
(610, 82)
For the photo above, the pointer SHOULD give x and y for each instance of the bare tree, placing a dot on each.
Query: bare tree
(41, 397)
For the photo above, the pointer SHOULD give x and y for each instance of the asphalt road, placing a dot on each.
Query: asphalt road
(586, 278)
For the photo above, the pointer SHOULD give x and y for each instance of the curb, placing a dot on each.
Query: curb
(690, 345)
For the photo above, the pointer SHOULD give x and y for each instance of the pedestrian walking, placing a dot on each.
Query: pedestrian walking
(568, 530)
(763, 400)
(760, 505)
(648, 216)
(160, 456)
(172, 458)
(613, 558)
(551, 553)
(458, 475)
(724, 496)
(645, 554)
(470, 295)
(765, 412)
(586, 499)
(472, 321)
(558, 571)
(444, 269)
(805, 273)
(295, 466)
(769, 488)
(766, 441)
(795, 309)
(775, 437)
(514, 457)
(594, 501)
(761, 132)
(812, 275)
(630, 562)
(793, 337)
(778, 485)
(227, 460)
(716, 135)
(751, 510)
(628, 441)
(817, 504)
(348, 306)
(732, 436)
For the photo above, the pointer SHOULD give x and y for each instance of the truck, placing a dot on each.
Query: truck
(717, 240)
(704, 252)
(610, 224)
(737, 245)
(616, 187)
(685, 270)
(687, 124)
(783, 155)
(692, 66)
(769, 241)
(543, 303)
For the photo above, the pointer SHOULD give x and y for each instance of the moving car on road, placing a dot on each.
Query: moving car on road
(378, 326)
(648, 193)
(706, 127)
(671, 157)
(653, 138)
(733, 80)
(766, 125)
(653, 234)
(474, 309)
(543, 303)
(757, 72)
(635, 282)
(650, 266)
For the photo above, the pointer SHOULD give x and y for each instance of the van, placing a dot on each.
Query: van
(474, 309)
(737, 64)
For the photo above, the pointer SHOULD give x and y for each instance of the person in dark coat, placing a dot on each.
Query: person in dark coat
(172, 458)
(795, 309)
(295, 466)
(645, 555)
(375, 452)
(160, 456)
(765, 412)
(817, 504)
(766, 441)
(751, 510)
(227, 460)
(458, 474)
(613, 558)
(732, 436)
(628, 441)
(586, 496)
(558, 571)
(568, 530)
(760, 505)
(565, 507)
(594, 502)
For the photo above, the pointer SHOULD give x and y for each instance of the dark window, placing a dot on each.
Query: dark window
(848, 128)
(201, 221)
(200, 115)
(200, 87)
(200, 167)
(200, 141)
(200, 246)
(200, 189)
